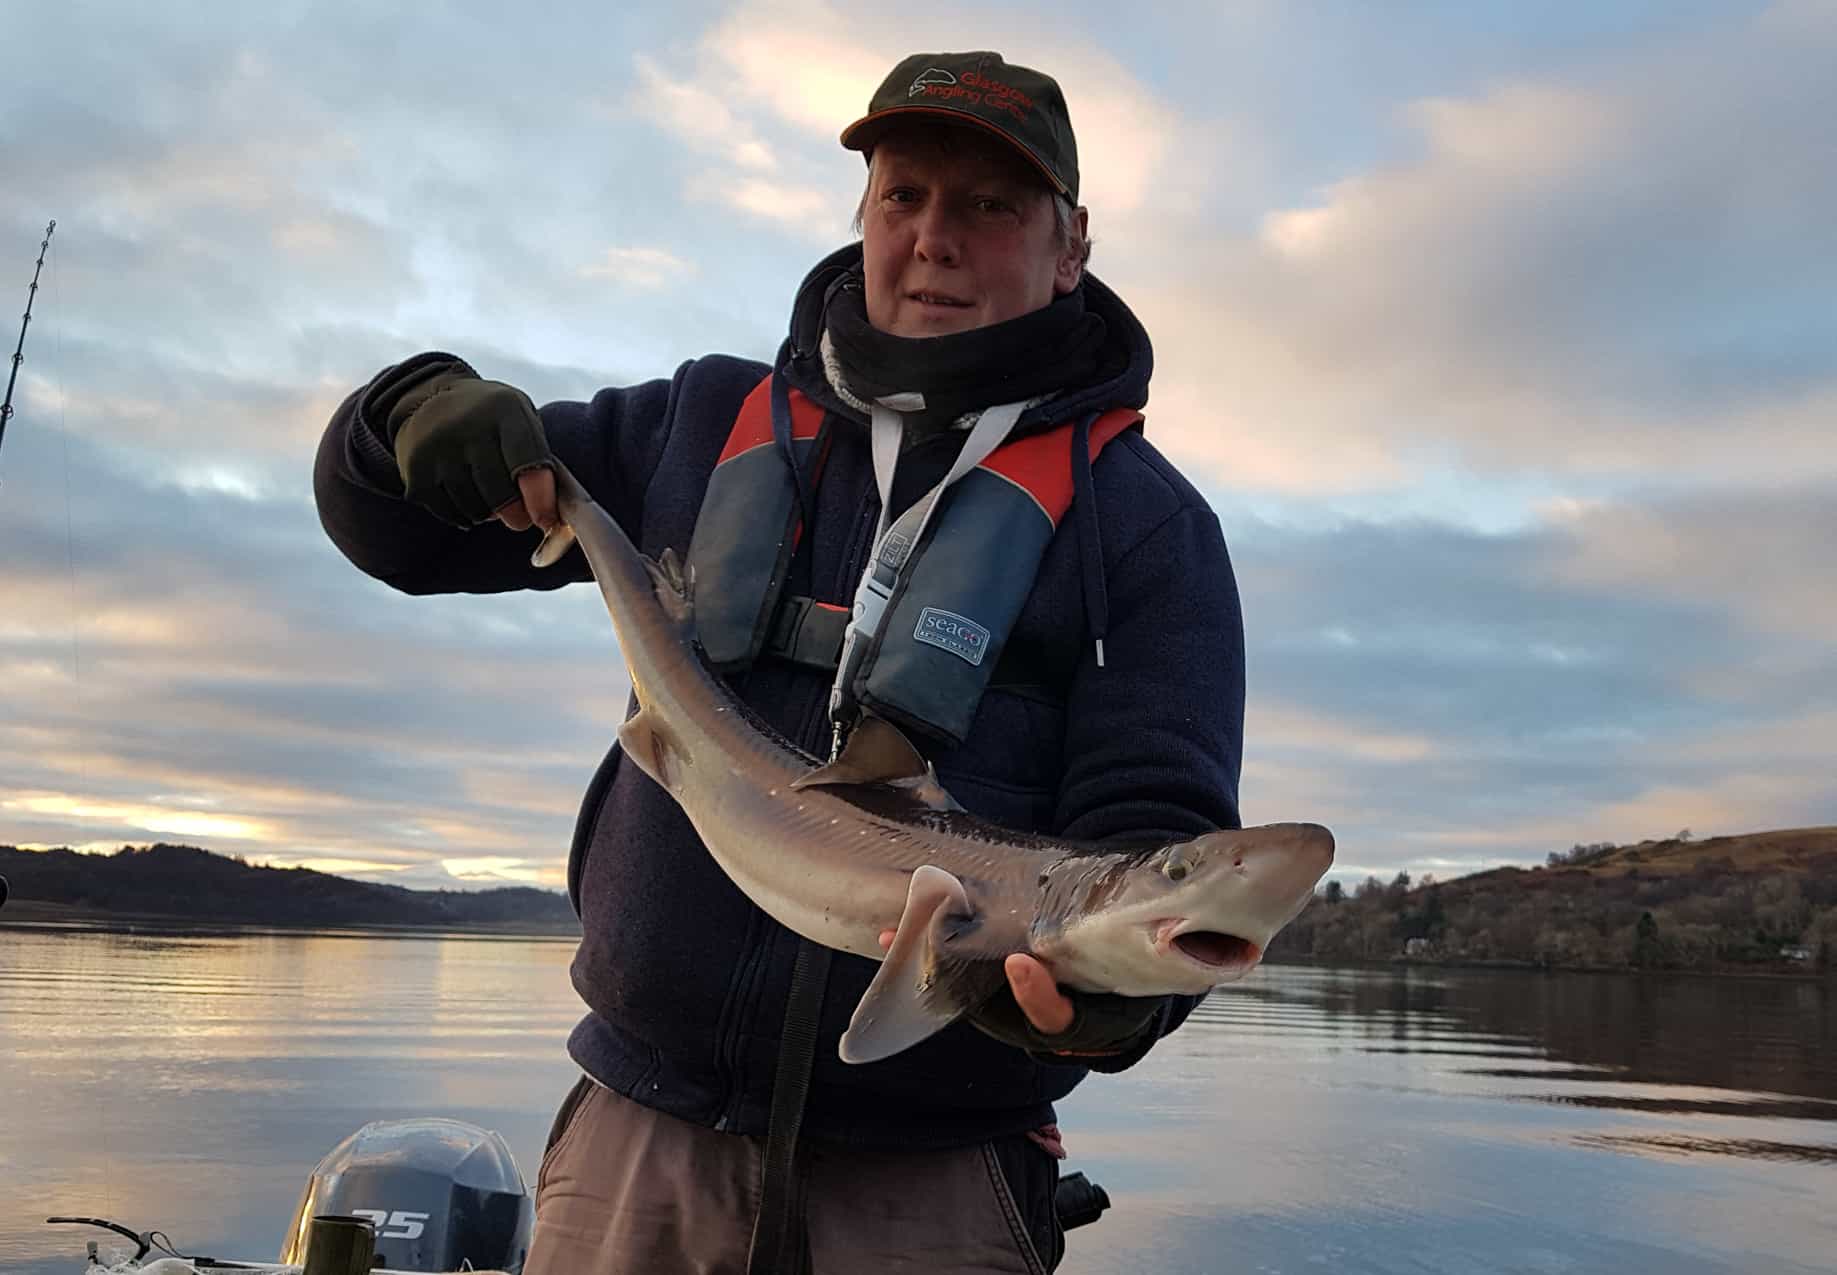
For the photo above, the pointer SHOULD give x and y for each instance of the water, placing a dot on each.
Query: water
(1309, 1121)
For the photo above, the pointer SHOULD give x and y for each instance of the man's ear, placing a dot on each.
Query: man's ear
(1070, 267)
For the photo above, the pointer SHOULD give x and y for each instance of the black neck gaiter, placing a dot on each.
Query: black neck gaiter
(1053, 348)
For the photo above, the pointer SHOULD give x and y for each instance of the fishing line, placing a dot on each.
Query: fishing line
(79, 709)
(63, 429)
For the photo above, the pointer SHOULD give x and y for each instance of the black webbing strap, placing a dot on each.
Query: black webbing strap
(778, 1238)
(809, 633)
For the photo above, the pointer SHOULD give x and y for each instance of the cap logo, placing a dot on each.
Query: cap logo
(935, 75)
(972, 89)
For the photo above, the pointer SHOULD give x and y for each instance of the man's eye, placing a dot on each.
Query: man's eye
(989, 204)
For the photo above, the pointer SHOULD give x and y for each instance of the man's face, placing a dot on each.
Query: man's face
(958, 233)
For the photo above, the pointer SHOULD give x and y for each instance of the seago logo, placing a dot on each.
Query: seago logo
(963, 638)
(933, 76)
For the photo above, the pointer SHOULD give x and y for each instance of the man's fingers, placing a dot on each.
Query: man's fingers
(538, 488)
(1035, 991)
(533, 505)
(1039, 997)
(513, 515)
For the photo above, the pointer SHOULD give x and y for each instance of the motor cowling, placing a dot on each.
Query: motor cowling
(443, 1196)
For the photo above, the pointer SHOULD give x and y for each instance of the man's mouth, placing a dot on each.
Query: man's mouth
(938, 298)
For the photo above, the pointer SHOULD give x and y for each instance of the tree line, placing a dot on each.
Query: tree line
(1588, 907)
(193, 884)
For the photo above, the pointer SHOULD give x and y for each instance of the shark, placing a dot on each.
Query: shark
(841, 851)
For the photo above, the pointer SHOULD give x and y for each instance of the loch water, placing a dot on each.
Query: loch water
(1310, 1119)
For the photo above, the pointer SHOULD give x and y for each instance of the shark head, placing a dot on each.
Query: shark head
(1182, 918)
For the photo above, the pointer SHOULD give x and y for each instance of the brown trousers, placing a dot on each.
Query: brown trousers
(623, 1188)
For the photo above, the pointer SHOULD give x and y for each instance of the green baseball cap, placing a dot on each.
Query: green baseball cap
(1023, 107)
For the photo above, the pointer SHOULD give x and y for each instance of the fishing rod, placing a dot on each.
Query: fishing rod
(6, 404)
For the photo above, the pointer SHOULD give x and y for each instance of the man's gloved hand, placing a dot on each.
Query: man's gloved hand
(1032, 1013)
(468, 448)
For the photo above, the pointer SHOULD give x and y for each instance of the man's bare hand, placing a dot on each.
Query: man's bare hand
(1046, 1007)
(535, 503)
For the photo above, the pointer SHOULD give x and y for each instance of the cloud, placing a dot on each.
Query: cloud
(148, 818)
(205, 667)
(1509, 370)
(795, 59)
(698, 115)
(1621, 270)
(1441, 696)
(814, 215)
(646, 268)
(1761, 557)
(783, 77)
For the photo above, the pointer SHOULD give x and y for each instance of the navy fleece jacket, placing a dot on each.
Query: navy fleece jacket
(686, 980)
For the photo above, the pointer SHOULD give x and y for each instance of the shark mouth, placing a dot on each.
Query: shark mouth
(1211, 948)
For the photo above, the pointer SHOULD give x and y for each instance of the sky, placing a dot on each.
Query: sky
(1502, 338)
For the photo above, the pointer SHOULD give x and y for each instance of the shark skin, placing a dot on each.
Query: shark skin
(840, 852)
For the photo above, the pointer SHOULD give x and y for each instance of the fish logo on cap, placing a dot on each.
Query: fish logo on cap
(935, 75)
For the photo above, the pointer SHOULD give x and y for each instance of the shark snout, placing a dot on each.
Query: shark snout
(1272, 871)
(1297, 852)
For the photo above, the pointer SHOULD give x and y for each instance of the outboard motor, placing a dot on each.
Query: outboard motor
(443, 1195)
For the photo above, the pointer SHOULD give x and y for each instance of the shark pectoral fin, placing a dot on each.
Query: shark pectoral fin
(642, 742)
(877, 752)
(925, 982)
(556, 542)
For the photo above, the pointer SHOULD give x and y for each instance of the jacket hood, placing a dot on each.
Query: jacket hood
(1124, 366)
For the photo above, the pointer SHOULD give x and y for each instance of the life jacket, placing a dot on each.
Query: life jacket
(959, 590)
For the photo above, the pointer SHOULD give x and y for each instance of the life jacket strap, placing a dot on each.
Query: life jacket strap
(809, 633)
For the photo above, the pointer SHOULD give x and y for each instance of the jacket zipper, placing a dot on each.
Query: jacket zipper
(743, 990)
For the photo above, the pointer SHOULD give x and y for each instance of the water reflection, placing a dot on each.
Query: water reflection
(1751, 1106)
(1681, 1144)
(190, 1081)
(1756, 1034)
(1354, 1121)
(1432, 1120)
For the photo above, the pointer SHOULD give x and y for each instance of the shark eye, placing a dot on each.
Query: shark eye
(1175, 867)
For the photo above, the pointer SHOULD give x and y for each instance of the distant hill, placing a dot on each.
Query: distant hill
(1764, 900)
(1804, 851)
(197, 885)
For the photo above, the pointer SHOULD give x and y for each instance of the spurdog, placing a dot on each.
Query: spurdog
(841, 852)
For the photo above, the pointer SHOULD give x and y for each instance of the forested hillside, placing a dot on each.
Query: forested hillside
(1763, 900)
(194, 884)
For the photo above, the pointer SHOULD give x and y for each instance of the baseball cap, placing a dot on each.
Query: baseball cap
(1023, 107)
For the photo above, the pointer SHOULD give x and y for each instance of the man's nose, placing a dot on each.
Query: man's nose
(940, 237)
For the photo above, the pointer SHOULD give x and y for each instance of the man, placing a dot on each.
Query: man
(1087, 683)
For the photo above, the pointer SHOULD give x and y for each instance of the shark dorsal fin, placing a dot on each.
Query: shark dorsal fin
(877, 752)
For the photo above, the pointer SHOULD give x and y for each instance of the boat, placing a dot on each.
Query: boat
(397, 1197)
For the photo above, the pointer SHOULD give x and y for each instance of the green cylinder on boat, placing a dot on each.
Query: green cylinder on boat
(340, 1246)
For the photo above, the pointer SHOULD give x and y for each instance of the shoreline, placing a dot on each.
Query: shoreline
(36, 914)
(1808, 973)
(41, 915)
